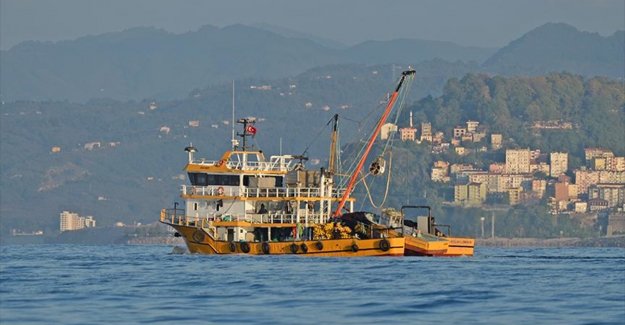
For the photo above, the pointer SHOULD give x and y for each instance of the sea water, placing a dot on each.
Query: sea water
(74, 284)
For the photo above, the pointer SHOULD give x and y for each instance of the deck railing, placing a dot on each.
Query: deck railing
(178, 217)
(211, 190)
(277, 192)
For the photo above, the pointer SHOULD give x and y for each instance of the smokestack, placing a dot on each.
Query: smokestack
(410, 119)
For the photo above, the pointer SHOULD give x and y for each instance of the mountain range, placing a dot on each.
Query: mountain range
(151, 63)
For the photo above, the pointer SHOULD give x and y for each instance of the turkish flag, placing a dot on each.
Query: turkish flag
(251, 130)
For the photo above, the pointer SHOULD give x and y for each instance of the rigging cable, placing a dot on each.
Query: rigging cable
(314, 139)
(403, 96)
(352, 166)
(389, 141)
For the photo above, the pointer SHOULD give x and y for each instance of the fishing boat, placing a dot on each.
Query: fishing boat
(243, 203)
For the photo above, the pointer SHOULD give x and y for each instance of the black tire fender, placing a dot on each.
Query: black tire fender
(198, 236)
(385, 245)
(245, 247)
(265, 247)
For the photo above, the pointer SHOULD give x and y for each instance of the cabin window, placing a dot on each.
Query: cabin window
(194, 206)
(201, 179)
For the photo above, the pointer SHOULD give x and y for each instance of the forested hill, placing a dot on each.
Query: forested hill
(595, 107)
(561, 47)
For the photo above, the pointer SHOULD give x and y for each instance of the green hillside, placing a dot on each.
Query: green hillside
(510, 106)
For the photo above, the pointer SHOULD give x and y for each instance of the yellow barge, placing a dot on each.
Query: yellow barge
(425, 238)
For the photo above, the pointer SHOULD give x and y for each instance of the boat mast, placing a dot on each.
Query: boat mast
(248, 130)
(333, 149)
(387, 111)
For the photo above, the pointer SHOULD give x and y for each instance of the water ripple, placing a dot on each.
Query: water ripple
(68, 284)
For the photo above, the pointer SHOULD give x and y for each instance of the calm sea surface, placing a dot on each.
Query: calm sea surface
(74, 284)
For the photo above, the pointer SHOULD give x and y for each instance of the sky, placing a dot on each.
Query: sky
(484, 23)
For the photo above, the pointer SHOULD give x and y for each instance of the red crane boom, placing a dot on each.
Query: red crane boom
(387, 111)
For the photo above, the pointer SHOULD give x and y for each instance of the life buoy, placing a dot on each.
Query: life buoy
(385, 245)
(304, 248)
(245, 247)
(232, 246)
(319, 245)
(265, 247)
(294, 248)
(354, 247)
(220, 163)
(220, 191)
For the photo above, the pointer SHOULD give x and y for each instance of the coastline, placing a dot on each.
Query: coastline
(160, 240)
(613, 241)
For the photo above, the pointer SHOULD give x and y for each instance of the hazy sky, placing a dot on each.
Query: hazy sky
(489, 23)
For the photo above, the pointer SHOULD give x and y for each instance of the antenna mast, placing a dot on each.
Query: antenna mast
(233, 140)
(248, 130)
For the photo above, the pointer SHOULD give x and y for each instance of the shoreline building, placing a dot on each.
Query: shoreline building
(518, 161)
(426, 131)
(470, 194)
(388, 130)
(559, 163)
(496, 140)
(72, 221)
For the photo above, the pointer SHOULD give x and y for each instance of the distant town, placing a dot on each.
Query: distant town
(527, 175)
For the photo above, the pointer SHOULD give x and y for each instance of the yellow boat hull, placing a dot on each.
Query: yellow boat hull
(459, 246)
(423, 246)
(201, 242)
(439, 246)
